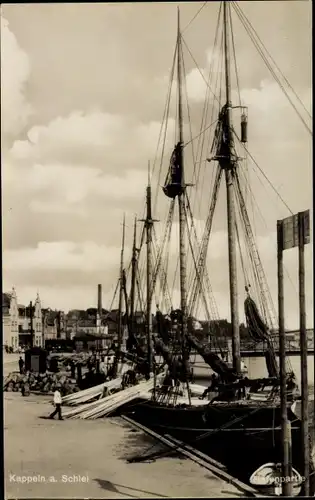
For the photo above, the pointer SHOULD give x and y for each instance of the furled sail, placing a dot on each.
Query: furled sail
(259, 332)
(173, 182)
(257, 329)
(271, 361)
(213, 360)
(221, 138)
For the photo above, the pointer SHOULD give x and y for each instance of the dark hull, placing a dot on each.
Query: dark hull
(243, 446)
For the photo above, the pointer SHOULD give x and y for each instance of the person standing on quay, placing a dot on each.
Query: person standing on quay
(21, 365)
(57, 404)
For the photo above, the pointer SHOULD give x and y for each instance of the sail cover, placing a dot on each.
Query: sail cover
(271, 361)
(259, 332)
(257, 329)
(173, 182)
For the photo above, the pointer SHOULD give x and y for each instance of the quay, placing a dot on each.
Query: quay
(88, 459)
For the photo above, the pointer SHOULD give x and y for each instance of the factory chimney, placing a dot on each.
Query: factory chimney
(99, 300)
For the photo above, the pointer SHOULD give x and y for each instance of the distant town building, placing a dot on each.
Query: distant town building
(53, 324)
(111, 319)
(16, 321)
(26, 329)
(90, 326)
(10, 319)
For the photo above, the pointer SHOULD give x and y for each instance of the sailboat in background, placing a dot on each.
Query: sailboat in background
(236, 419)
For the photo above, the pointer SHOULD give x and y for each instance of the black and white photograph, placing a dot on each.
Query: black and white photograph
(157, 249)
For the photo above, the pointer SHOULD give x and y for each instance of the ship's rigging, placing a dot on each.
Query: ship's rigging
(221, 149)
(219, 155)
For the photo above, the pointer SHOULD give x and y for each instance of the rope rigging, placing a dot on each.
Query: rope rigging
(200, 286)
(195, 16)
(201, 261)
(262, 172)
(161, 248)
(207, 284)
(191, 312)
(254, 203)
(208, 109)
(269, 308)
(261, 48)
(165, 125)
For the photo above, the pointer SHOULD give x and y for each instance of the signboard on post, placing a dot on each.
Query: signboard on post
(290, 230)
(294, 231)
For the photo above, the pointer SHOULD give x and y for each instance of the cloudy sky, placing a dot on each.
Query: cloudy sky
(83, 93)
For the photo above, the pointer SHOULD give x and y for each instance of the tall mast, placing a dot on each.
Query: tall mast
(121, 292)
(228, 166)
(148, 226)
(133, 276)
(181, 197)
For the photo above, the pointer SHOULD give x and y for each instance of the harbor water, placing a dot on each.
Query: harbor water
(256, 368)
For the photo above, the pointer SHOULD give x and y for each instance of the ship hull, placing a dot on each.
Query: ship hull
(248, 437)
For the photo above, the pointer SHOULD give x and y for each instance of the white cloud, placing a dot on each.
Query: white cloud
(96, 154)
(262, 103)
(100, 139)
(76, 172)
(66, 187)
(197, 80)
(62, 255)
(196, 85)
(15, 70)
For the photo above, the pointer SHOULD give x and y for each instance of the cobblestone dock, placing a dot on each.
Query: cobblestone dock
(84, 458)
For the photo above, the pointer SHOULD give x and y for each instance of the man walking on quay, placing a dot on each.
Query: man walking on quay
(57, 404)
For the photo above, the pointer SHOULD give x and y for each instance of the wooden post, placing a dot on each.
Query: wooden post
(303, 347)
(285, 428)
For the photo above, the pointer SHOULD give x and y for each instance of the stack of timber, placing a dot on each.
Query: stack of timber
(40, 382)
(88, 395)
(106, 406)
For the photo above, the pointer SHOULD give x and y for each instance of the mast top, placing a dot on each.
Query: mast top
(149, 174)
(123, 236)
(227, 53)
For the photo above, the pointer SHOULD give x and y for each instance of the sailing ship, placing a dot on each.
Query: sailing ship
(234, 421)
